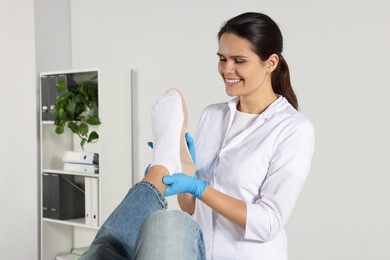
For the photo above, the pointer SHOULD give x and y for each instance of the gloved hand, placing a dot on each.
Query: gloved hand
(182, 183)
(190, 145)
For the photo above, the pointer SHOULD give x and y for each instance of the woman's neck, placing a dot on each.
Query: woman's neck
(255, 105)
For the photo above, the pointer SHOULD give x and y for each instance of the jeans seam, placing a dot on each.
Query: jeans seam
(160, 196)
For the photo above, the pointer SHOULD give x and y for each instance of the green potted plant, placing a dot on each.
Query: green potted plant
(76, 107)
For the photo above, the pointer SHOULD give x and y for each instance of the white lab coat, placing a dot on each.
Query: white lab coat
(265, 166)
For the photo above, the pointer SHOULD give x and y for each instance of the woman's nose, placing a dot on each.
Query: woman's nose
(227, 67)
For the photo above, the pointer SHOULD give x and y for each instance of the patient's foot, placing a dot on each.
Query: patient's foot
(167, 123)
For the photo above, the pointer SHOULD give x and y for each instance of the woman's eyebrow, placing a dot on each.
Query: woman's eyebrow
(234, 56)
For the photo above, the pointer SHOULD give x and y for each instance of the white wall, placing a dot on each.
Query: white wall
(22, 23)
(338, 54)
(18, 131)
(52, 35)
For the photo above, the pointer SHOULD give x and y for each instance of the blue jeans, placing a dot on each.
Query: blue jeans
(141, 228)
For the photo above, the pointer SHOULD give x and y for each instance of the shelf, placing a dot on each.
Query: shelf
(92, 175)
(108, 186)
(77, 222)
(82, 71)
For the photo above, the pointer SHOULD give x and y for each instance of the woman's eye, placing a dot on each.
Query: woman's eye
(222, 60)
(239, 61)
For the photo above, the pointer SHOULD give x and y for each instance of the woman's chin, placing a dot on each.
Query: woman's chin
(231, 92)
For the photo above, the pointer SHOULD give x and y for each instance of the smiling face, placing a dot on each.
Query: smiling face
(242, 70)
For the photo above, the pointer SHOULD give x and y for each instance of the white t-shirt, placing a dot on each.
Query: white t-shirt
(240, 122)
(264, 165)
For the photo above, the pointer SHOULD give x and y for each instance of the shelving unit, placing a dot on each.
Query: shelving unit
(114, 178)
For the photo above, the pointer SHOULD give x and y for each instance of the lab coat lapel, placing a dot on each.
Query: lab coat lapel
(262, 118)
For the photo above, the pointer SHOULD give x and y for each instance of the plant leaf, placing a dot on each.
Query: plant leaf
(83, 140)
(93, 120)
(54, 112)
(61, 86)
(71, 108)
(74, 127)
(57, 121)
(83, 129)
(93, 137)
(59, 129)
(74, 107)
(61, 113)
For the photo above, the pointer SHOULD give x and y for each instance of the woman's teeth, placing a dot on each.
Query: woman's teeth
(231, 81)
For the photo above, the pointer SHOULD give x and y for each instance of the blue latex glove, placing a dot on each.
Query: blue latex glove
(150, 144)
(182, 183)
(190, 145)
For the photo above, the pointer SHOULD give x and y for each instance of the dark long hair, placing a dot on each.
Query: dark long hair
(266, 39)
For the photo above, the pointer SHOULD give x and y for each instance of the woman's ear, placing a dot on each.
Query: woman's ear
(272, 62)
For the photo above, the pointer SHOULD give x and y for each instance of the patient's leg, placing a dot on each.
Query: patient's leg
(117, 236)
(170, 234)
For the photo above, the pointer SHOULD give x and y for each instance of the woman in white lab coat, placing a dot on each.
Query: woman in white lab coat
(253, 153)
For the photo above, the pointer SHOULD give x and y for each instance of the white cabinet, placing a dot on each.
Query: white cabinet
(59, 235)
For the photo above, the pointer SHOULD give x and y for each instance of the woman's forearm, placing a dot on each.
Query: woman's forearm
(229, 207)
(186, 202)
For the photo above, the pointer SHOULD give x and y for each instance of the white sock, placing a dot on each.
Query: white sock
(167, 121)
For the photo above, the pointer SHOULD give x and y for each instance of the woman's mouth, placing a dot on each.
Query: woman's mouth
(232, 82)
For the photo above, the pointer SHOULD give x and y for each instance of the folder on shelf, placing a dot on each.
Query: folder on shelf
(45, 86)
(49, 94)
(55, 190)
(62, 198)
(81, 157)
(95, 202)
(82, 168)
(88, 200)
(91, 201)
(53, 93)
(46, 195)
